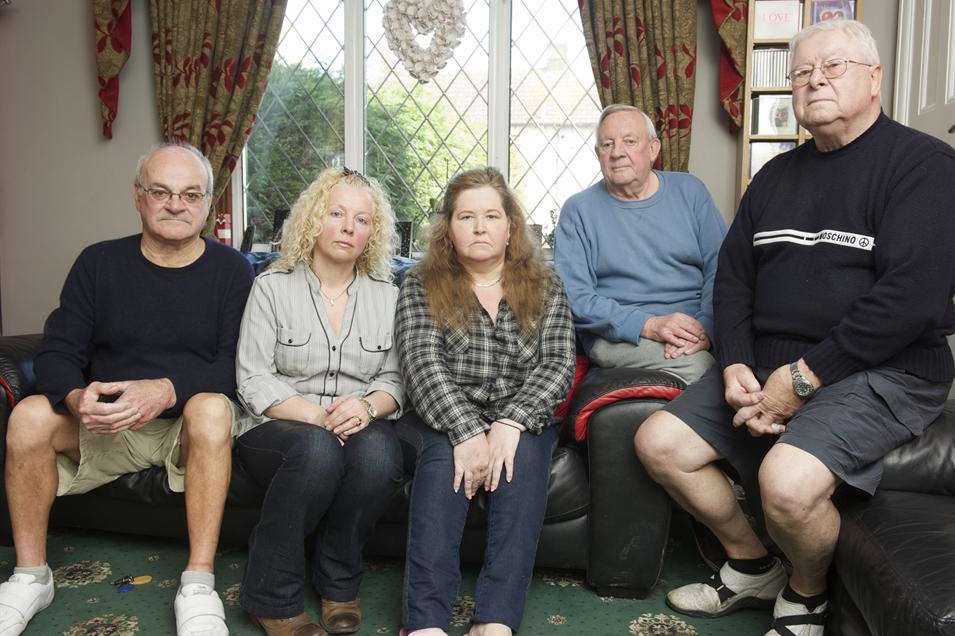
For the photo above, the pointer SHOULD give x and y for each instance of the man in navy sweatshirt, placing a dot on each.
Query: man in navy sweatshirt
(637, 254)
(137, 368)
(832, 302)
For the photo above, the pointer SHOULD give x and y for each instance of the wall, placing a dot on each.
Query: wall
(714, 145)
(62, 185)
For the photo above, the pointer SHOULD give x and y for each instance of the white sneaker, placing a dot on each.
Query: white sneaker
(728, 591)
(795, 619)
(21, 597)
(199, 612)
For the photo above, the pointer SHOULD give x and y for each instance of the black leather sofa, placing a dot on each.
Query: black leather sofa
(604, 516)
(894, 571)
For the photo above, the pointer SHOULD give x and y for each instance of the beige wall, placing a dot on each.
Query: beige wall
(714, 145)
(62, 185)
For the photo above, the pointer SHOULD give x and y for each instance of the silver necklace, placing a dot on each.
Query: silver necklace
(331, 299)
(491, 284)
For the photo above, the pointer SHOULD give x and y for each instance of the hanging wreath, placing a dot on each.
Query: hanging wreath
(406, 19)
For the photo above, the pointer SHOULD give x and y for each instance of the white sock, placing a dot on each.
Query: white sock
(42, 573)
(189, 577)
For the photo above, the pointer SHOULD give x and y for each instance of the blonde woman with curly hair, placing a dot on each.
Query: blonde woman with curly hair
(316, 366)
(487, 349)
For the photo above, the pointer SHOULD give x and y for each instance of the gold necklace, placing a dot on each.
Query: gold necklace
(331, 300)
(491, 284)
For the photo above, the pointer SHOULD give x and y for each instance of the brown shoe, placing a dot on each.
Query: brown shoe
(300, 625)
(341, 618)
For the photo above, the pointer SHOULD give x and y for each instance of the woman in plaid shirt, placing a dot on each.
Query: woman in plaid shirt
(486, 344)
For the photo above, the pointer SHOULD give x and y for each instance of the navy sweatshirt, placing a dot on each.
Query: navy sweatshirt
(122, 317)
(845, 258)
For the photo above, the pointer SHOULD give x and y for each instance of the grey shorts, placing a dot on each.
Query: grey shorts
(849, 426)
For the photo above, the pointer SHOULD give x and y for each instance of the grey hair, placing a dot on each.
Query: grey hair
(854, 29)
(627, 108)
(207, 167)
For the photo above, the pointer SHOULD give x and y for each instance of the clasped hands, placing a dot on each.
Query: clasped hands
(137, 403)
(480, 460)
(344, 417)
(762, 409)
(681, 335)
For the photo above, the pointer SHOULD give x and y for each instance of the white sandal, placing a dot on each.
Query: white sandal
(199, 611)
(21, 597)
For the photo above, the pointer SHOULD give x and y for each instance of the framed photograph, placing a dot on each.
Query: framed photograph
(773, 115)
(823, 10)
(776, 19)
(760, 152)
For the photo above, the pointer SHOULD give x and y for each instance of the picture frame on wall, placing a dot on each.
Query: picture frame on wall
(760, 152)
(823, 10)
(773, 115)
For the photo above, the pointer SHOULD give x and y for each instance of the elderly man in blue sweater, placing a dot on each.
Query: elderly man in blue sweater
(637, 252)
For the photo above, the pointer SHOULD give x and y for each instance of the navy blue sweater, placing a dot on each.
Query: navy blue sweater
(845, 258)
(122, 317)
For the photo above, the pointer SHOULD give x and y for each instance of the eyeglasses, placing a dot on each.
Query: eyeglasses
(161, 195)
(348, 172)
(831, 69)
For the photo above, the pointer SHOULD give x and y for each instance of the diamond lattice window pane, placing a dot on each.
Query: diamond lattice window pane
(554, 109)
(299, 128)
(419, 135)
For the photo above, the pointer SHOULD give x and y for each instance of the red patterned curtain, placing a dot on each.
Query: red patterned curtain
(644, 53)
(211, 62)
(730, 17)
(113, 24)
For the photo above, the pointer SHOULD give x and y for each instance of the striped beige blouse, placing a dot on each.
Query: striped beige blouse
(287, 346)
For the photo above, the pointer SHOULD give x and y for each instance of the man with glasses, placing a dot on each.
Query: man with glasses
(637, 254)
(136, 369)
(832, 302)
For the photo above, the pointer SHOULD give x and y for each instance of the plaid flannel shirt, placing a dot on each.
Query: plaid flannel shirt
(462, 381)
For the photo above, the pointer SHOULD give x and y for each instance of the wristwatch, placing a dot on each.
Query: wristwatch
(802, 387)
(372, 411)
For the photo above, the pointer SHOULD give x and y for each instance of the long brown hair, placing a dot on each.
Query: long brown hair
(526, 280)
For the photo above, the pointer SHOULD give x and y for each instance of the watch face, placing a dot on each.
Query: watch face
(803, 389)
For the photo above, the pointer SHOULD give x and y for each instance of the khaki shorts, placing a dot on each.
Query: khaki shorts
(105, 458)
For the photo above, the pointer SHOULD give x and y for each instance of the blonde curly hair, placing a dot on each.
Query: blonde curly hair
(305, 223)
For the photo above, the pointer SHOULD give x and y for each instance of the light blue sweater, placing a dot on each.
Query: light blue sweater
(625, 261)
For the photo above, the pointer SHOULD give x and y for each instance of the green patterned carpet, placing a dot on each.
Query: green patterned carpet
(86, 563)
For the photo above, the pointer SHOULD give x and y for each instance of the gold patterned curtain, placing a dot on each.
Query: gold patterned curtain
(113, 24)
(211, 62)
(644, 53)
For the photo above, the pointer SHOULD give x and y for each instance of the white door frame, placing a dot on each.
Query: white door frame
(903, 62)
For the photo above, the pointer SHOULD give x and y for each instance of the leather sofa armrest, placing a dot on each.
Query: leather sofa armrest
(17, 379)
(629, 512)
(927, 463)
(602, 387)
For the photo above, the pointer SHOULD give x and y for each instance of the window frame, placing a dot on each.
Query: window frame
(499, 99)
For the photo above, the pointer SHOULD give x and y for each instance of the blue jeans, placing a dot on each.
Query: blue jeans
(515, 514)
(313, 482)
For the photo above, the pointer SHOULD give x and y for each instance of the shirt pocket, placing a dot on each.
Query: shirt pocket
(373, 351)
(456, 342)
(292, 351)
